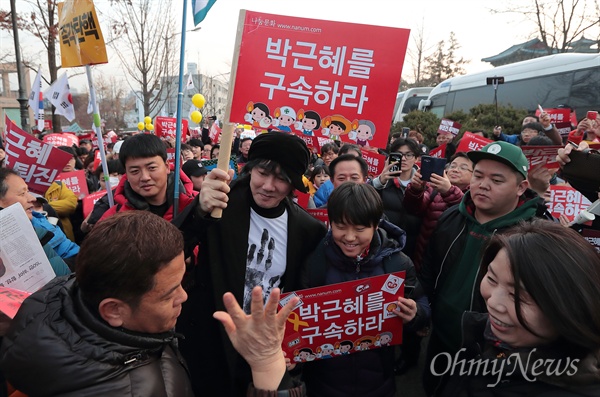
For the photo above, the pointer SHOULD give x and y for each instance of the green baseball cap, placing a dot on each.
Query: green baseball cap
(503, 152)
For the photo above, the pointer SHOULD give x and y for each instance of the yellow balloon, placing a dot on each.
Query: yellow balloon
(147, 120)
(198, 100)
(149, 127)
(141, 125)
(196, 116)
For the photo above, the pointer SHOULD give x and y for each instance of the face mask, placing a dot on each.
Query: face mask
(113, 180)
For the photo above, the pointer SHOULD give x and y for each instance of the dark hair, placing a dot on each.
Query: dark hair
(347, 147)
(69, 150)
(329, 147)
(196, 142)
(142, 146)
(540, 140)
(262, 107)
(185, 146)
(347, 343)
(533, 126)
(412, 146)
(364, 167)
(117, 261)
(311, 114)
(5, 173)
(485, 134)
(355, 204)
(459, 154)
(244, 140)
(318, 170)
(212, 149)
(560, 271)
(269, 166)
(113, 166)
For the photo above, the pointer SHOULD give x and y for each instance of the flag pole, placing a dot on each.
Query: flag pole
(98, 131)
(179, 111)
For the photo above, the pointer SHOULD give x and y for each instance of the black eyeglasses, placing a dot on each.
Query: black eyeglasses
(408, 155)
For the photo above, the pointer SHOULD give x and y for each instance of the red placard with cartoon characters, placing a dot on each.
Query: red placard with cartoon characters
(345, 318)
(317, 76)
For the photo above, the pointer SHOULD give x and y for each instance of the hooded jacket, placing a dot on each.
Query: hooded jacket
(369, 373)
(57, 346)
(64, 247)
(64, 202)
(126, 199)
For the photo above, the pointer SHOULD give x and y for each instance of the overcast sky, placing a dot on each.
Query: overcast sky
(479, 32)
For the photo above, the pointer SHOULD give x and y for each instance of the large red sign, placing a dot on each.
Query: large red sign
(471, 142)
(37, 162)
(544, 155)
(375, 161)
(345, 318)
(564, 200)
(166, 127)
(309, 75)
(61, 139)
(75, 181)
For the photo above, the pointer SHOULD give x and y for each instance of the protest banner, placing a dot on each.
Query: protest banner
(90, 200)
(375, 161)
(171, 158)
(545, 155)
(61, 139)
(438, 152)
(471, 142)
(307, 75)
(593, 237)
(302, 198)
(48, 125)
(565, 200)
(311, 141)
(81, 40)
(37, 162)
(165, 127)
(75, 181)
(24, 264)
(345, 318)
(561, 118)
(320, 214)
(449, 126)
(214, 132)
(11, 299)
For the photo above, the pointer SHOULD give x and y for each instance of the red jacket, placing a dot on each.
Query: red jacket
(126, 199)
(430, 210)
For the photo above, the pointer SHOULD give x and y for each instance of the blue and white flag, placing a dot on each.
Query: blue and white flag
(200, 8)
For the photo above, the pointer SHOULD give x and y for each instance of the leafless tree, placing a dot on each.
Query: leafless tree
(558, 23)
(143, 36)
(443, 64)
(416, 53)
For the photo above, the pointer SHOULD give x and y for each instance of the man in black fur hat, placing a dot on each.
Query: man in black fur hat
(263, 238)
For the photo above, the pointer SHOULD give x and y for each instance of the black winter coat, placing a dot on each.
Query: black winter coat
(369, 373)
(57, 347)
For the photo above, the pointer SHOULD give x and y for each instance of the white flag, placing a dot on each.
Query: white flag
(190, 82)
(36, 100)
(59, 95)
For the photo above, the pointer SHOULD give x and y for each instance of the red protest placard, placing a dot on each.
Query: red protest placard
(545, 155)
(75, 181)
(449, 126)
(320, 214)
(561, 118)
(471, 142)
(345, 318)
(565, 200)
(48, 125)
(593, 237)
(438, 152)
(171, 158)
(313, 75)
(37, 162)
(302, 198)
(311, 141)
(375, 161)
(90, 200)
(63, 139)
(214, 132)
(166, 127)
(11, 300)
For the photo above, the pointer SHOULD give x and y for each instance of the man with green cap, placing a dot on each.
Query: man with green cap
(499, 197)
(263, 238)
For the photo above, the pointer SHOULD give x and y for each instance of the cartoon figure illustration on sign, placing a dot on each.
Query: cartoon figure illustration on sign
(344, 347)
(363, 343)
(384, 339)
(325, 351)
(284, 118)
(258, 115)
(308, 122)
(303, 355)
(337, 125)
(363, 133)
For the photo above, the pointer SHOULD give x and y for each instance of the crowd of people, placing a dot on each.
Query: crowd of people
(500, 297)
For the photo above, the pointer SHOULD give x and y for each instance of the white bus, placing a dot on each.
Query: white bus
(407, 101)
(560, 79)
